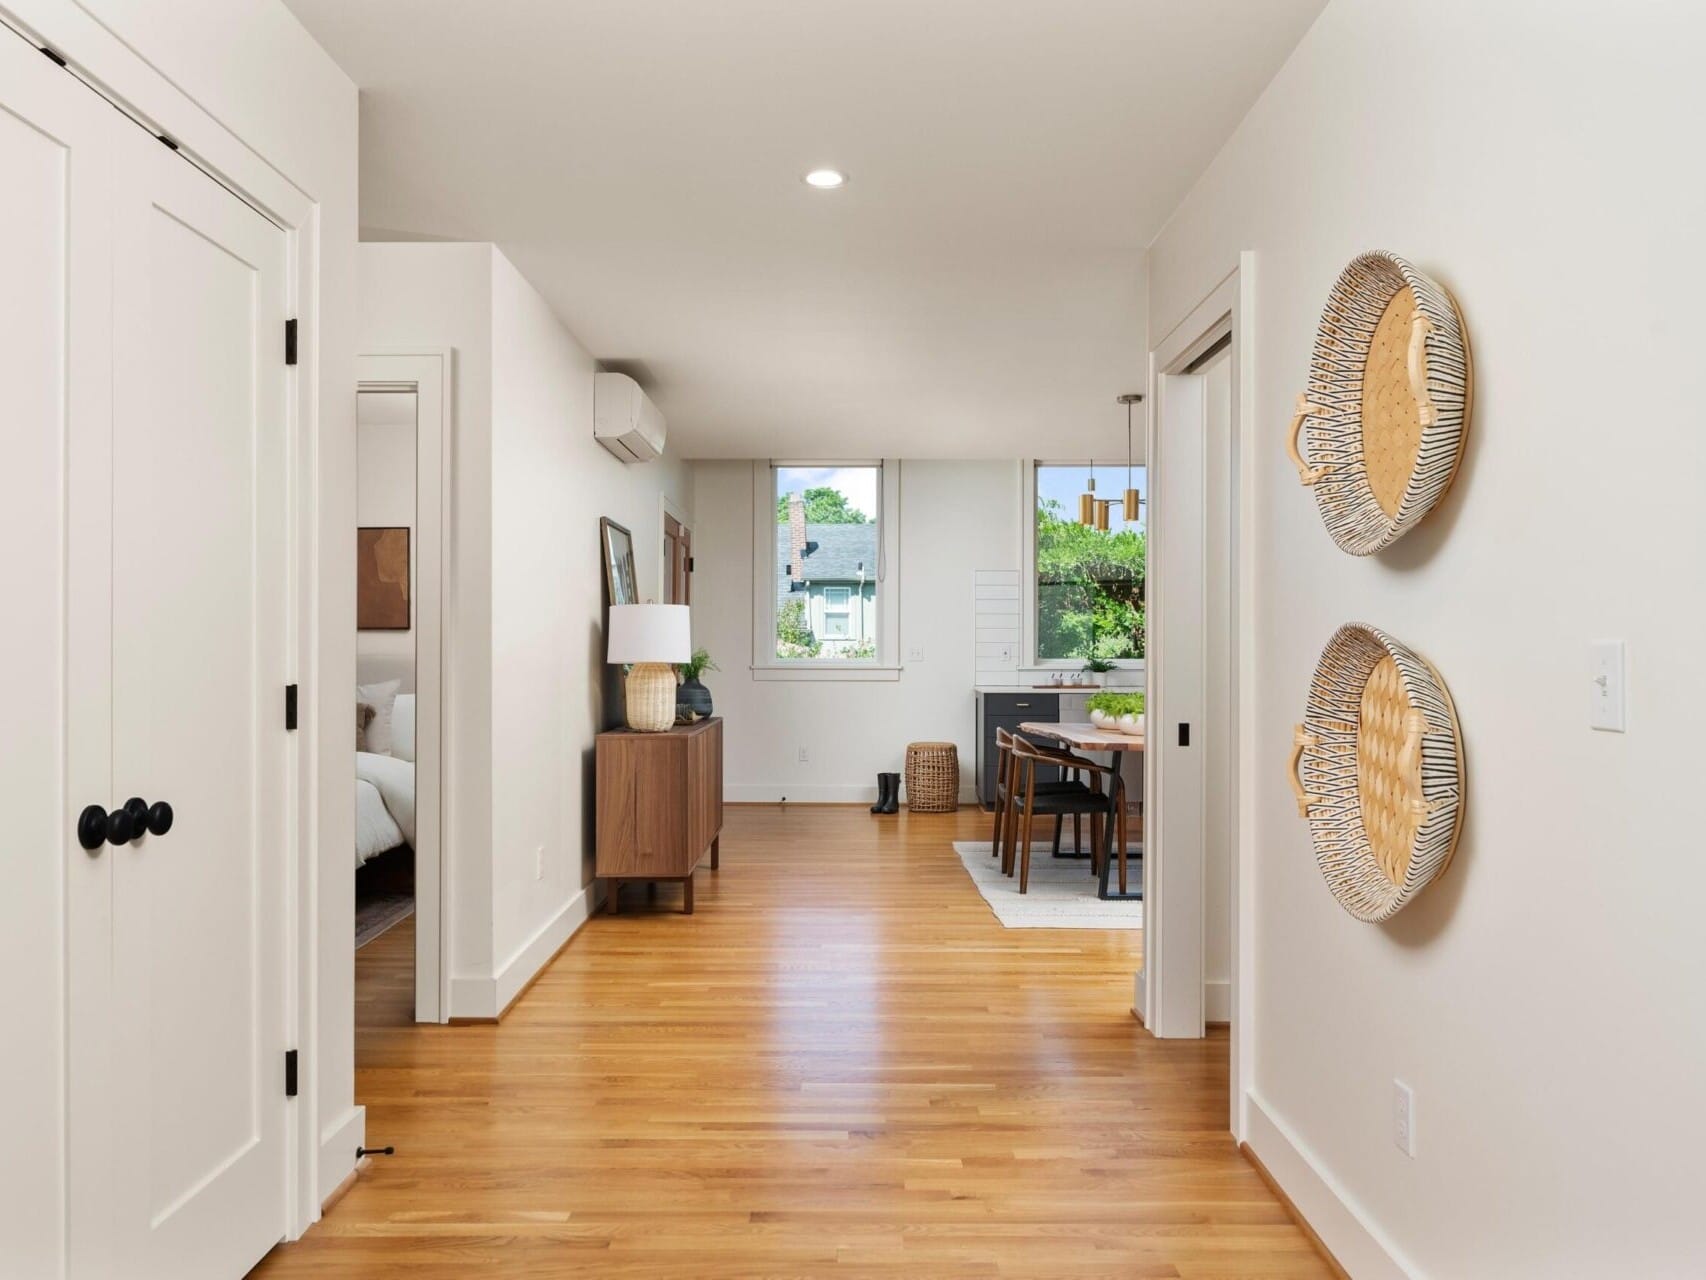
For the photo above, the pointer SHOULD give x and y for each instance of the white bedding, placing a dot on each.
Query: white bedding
(384, 804)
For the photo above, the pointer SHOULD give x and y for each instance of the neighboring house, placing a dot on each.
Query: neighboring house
(832, 569)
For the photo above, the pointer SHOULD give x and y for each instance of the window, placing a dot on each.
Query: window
(837, 613)
(823, 550)
(1087, 584)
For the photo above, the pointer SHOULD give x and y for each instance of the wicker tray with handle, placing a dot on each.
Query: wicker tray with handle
(1377, 769)
(1380, 431)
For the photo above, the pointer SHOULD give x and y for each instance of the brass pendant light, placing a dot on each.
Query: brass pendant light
(1087, 502)
(1133, 502)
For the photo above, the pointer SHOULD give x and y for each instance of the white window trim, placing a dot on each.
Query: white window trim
(1028, 576)
(765, 664)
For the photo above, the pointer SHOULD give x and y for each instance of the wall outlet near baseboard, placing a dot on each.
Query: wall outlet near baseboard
(539, 863)
(805, 756)
(1404, 1118)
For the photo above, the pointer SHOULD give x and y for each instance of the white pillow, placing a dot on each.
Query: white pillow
(382, 698)
(403, 727)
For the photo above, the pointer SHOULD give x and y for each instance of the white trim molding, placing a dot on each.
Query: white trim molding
(486, 998)
(1356, 1243)
(339, 1142)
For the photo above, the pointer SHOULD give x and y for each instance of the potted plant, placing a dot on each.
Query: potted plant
(1096, 668)
(693, 699)
(1122, 712)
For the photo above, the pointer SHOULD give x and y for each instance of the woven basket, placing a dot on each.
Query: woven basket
(1377, 768)
(932, 777)
(1384, 421)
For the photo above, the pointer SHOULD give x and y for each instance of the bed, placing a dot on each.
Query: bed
(385, 790)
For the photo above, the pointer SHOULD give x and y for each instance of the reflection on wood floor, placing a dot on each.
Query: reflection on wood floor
(840, 1065)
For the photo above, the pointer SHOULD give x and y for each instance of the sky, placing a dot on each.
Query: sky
(857, 484)
(1062, 483)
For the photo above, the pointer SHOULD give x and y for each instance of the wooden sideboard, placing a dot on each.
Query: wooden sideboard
(660, 803)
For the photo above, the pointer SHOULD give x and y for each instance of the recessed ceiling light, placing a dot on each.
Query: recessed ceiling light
(826, 179)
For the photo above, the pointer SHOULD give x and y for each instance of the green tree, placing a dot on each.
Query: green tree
(794, 638)
(1090, 588)
(824, 505)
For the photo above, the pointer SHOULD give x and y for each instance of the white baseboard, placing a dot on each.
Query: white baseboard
(816, 793)
(483, 997)
(338, 1143)
(1344, 1227)
(1217, 1001)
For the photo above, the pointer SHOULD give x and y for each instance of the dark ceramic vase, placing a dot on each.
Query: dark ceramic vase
(692, 696)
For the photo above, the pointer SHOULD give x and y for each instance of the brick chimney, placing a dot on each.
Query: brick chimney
(796, 538)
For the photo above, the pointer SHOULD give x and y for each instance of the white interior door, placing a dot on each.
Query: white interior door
(55, 655)
(1176, 713)
(200, 577)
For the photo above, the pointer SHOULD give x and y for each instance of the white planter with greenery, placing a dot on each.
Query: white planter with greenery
(1121, 712)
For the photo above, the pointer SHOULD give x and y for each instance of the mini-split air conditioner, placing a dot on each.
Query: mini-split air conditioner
(624, 420)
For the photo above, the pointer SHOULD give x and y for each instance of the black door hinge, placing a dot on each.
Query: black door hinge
(689, 564)
(290, 341)
(290, 706)
(290, 1073)
(52, 57)
(1184, 735)
(170, 145)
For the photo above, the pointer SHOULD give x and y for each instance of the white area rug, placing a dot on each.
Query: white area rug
(1061, 895)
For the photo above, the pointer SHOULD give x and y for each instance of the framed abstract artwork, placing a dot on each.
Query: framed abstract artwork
(382, 579)
(620, 581)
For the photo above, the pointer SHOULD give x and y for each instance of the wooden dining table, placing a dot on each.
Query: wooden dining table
(1086, 737)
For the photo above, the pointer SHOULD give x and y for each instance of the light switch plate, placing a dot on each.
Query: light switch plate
(1404, 1118)
(1605, 700)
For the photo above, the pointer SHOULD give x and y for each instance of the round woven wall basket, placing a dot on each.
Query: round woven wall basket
(932, 777)
(1377, 768)
(1379, 433)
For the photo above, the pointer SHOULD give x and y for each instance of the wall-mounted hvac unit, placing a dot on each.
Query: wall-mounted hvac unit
(625, 421)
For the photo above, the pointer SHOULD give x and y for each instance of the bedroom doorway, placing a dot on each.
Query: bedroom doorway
(399, 713)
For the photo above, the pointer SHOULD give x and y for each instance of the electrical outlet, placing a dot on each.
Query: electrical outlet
(1605, 669)
(805, 756)
(915, 654)
(539, 863)
(1404, 1118)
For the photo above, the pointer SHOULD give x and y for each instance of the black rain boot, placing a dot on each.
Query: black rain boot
(881, 806)
(889, 784)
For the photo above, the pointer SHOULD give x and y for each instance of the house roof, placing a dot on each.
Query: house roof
(841, 550)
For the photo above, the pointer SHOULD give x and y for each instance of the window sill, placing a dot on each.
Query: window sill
(804, 671)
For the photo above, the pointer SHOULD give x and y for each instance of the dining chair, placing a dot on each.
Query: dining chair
(1006, 775)
(1103, 806)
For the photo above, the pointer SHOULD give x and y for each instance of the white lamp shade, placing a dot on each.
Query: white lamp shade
(650, 633)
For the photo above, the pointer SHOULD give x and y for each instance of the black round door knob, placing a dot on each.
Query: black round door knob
(92, 828)
(160, 818)
(120, 828)
(137, 808)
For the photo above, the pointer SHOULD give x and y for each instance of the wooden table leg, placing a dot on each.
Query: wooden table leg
(687, 890)
(613, 897)
(716, 840)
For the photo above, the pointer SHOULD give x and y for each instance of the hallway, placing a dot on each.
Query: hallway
(840, 1065)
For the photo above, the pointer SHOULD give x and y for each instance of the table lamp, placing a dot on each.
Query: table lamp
(652, 638)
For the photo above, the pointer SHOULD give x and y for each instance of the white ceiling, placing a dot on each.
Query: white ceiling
(976, 288)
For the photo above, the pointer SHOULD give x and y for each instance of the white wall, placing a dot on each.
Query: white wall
(1544, 999)
(955, 517)
(241, 84)
(385, 498)
(527, 682)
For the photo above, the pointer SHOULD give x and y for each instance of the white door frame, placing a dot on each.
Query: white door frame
(428, 374)
(1170, 987)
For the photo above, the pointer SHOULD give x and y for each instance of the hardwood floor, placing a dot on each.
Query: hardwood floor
(840, 1065)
